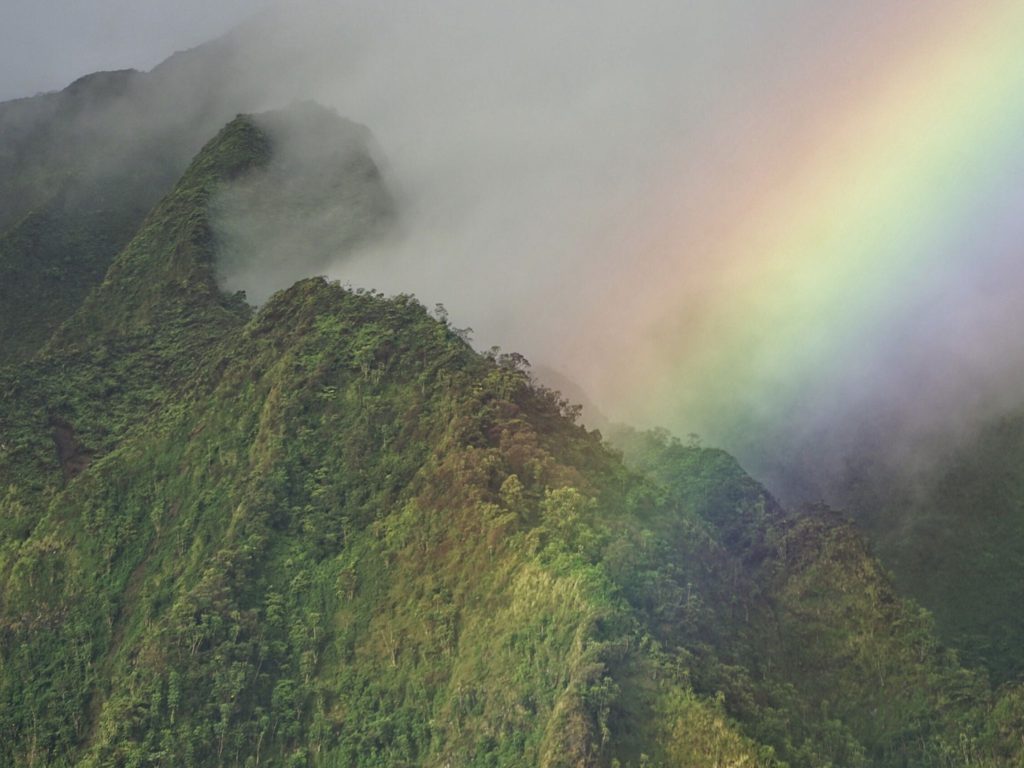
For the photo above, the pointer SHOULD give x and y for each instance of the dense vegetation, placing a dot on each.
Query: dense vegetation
(67, 206)
(81, 168)
(330, 533)
(953, 533)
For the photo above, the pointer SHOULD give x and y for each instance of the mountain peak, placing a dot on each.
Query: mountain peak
(102, 85)
(328, 532)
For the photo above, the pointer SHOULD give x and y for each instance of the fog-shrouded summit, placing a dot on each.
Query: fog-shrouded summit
(328, 532)
(790, 228)
(757, 224)
(320, 197)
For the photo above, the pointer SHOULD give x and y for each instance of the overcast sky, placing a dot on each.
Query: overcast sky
(46, 44)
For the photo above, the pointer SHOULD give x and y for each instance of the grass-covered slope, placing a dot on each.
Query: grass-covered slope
(333, 534)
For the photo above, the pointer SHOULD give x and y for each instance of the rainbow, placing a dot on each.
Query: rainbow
(898, 189)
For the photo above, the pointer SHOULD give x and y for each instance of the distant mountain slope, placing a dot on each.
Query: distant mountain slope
(81, 168)
(72, 193)
(953, 534)
(330, 533)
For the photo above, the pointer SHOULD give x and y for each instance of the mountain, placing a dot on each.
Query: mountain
(952, 532)
(81, 168)
(328, 532)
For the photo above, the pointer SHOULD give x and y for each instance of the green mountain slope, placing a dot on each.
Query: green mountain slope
(953, 534)
(81, 168)
(330, 533)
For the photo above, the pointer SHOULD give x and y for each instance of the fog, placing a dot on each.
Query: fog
(558, 174)
(534, 149)
(561, 179)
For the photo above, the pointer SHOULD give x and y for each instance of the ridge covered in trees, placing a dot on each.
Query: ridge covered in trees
(330, 533)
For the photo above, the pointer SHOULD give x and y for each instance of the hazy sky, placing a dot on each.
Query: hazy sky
(46, 44)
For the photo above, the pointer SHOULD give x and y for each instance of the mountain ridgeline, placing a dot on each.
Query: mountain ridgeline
(330, 533)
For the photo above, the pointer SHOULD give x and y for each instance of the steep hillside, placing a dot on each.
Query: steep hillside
(145, 332)
(331, 533)
(953, 534)
(81, 168)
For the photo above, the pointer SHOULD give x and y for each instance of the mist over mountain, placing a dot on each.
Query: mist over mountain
(249, 515)
(320, 197)
(330, 533)
(605, 153)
